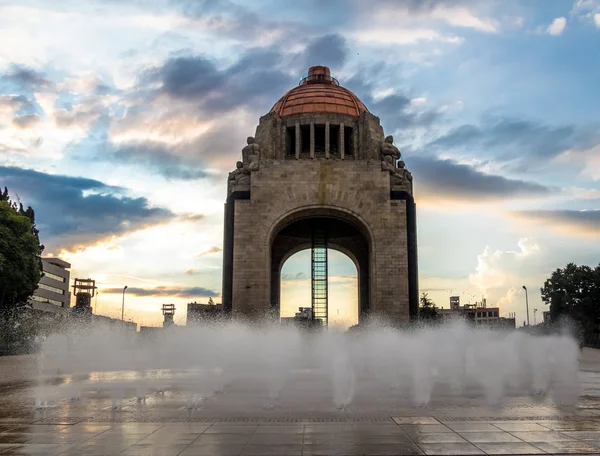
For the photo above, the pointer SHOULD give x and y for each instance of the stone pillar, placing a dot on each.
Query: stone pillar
(355, 143)
(327, 139)
(298, 139)
(341, 141)
(312, 140)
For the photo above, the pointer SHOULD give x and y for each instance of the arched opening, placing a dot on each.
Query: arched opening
(295, 286)
(345, 234)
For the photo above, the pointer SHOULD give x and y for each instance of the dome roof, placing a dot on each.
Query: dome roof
(319, 92)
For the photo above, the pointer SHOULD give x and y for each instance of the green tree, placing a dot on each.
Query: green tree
(427, 310)
(20, 256)
(574, 293)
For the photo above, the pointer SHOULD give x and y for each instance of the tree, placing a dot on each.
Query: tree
(20, 256)
(574, 293)
(428, 310)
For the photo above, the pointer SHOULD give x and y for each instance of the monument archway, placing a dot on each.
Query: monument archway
(344, 233)
(320, 171)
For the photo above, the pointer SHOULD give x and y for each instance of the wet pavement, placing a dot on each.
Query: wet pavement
(80, 415)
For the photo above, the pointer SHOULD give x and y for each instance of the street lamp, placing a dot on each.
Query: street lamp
(526, 303)
(123, 304)
(534, 320)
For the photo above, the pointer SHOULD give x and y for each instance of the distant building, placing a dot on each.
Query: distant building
(302, 318)
(477, 314)
(52, 294)
(203, 313)
(168, 311)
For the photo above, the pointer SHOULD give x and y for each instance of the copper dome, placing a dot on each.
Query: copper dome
(319, 92)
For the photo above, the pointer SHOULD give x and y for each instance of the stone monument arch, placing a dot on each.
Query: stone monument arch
(320, 174)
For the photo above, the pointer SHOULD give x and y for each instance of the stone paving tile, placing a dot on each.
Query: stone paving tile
(272, 449)
(41, 449)
(154, 450)
(444, 437)
(225, 429)
(551, 436)
(520, 426)
(509, 448)
(425, 428)
(450, 449)
(264, 439)
(489, 437)
(293, 429)
(415, 420)
(213, 450)
(583, 435)
(567, 447)
(570, 425)
(222, 439)
(473, 427)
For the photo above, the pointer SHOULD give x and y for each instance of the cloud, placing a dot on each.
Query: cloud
(588, 10)
(26, 121)
(288, 277)
(164, 160)
(558, 26)
(211, 250)
(571, 222)
(175, 291)
(25, 78)
(495, 269)
(395, 109)
(588, 161)
(329, 50)
(508, 138)
(254, 80)
(448, 179)
(72, 212)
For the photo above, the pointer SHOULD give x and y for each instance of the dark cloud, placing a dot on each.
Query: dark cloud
(395, 110)
(26, 121)
(329, 50)
(448, 179)
(164, 291)
(509, 138)
(255, 80)
(165, 161)
(25, 78)
(579, 221)
(75, 211)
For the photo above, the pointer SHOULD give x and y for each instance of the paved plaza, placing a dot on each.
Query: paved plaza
(240, 421)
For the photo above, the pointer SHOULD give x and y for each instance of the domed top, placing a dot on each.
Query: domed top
(319, 92)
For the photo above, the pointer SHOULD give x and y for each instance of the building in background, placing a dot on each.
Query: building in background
(303, 319)
(52, 294)
(168, 311)
(203, 313)
(478, 314)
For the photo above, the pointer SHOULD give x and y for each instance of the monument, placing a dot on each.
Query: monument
(320, 174)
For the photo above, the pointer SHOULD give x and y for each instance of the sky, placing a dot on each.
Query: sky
(119, 121)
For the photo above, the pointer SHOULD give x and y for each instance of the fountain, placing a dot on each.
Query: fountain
(235, 368)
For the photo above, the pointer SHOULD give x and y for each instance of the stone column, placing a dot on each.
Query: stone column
(355, 143)
(298, 139)
(341, 141)
(283, 151)
(327, 139)
(312, 140)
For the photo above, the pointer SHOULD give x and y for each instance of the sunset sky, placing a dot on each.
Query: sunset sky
(119, 121)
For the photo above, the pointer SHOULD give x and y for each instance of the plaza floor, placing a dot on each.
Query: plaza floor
(240, 422)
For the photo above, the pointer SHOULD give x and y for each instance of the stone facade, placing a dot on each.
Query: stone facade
(283, 179)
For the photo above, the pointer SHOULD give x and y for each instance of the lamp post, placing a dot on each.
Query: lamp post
(123, 304)
(534, 319)
(526, 303)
